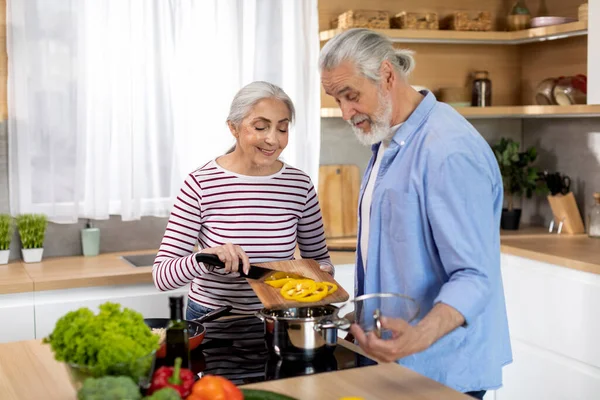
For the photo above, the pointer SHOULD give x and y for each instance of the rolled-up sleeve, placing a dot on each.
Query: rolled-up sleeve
(460, 207)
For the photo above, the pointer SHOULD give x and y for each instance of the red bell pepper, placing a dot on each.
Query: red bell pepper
(180, 379)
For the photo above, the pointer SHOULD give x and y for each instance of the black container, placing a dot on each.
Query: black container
(510, 219)
(482, 90)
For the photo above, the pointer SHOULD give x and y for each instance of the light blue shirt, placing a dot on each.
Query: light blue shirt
(435, 236)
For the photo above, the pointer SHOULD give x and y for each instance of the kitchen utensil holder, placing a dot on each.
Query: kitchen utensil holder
(566, 213)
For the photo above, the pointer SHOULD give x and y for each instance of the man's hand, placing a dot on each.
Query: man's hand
(408, 339)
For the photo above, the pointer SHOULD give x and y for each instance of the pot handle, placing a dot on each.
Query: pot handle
(337, 323)
(262, 317)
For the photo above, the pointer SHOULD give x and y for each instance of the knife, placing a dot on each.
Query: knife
(255, 272)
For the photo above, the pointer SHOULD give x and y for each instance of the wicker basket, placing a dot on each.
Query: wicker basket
(412, 20)
(333, 24)
(583, 12)
(364, 19)
(465, 21)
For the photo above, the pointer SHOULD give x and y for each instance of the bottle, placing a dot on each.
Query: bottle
(594, 222)
(482, 90)
(177, 339)
(90, 240)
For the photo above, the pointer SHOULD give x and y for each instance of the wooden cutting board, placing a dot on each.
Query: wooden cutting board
(271, 298)
(339, 187)
(342, 244)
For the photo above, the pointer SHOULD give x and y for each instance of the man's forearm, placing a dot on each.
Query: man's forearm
(441, 320)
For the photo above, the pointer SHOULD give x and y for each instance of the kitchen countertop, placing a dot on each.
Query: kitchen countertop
(578, 252)
(14, 279)
(28, 371)
(75, 272)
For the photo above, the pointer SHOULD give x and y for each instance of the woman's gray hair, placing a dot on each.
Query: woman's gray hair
(366, 49)
(248, 96)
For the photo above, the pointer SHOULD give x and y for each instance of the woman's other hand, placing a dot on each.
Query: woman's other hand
(231, 255)
(327, 268)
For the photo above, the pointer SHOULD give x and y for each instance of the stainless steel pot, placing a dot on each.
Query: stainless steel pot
(301, 332)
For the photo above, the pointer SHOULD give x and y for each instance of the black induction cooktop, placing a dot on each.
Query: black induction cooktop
(235, 348)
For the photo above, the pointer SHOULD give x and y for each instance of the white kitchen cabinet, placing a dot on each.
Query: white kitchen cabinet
(144, 298)
(17, 316)
(554, 328)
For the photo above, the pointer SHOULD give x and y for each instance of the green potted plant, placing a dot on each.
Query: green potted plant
(6, 233)
(518, 177)
(32, 230)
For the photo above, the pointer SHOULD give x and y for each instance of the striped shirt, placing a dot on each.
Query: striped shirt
(267, 216)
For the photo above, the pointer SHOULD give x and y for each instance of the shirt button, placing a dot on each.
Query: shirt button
(402, 143)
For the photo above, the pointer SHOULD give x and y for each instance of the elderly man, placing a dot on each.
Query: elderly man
(429, 215)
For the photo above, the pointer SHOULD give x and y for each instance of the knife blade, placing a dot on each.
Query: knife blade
(255, 272)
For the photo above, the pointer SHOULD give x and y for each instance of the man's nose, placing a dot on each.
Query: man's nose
(347, 112)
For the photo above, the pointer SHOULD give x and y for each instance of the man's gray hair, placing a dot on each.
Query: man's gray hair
(366, 49)
(248, 96)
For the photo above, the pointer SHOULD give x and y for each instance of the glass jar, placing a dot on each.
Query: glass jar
(594, 221)
(482, 90)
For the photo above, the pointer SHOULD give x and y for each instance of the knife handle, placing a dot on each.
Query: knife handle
(213, 259)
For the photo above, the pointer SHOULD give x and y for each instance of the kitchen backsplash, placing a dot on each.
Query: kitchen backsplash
(571, 146)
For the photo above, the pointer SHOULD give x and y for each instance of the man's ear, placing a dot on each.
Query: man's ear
(387, 74)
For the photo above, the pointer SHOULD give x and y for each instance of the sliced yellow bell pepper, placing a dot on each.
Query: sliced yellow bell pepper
(298, 288)
(278, 283)
(316, 296)
(332, 287)
(281, 275)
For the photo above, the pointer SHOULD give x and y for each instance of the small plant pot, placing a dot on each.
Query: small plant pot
(510, 220)
(32, 255)
(4, 256)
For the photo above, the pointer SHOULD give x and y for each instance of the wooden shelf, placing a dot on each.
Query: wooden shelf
(576, 111)
(458, 37)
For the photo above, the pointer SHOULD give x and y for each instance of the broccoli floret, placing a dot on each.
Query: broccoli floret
(109, 388)
(164, 394)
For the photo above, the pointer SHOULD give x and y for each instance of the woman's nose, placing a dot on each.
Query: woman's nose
(271, 137)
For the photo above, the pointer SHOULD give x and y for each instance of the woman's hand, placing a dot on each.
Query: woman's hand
(327, 268)
(231, 255)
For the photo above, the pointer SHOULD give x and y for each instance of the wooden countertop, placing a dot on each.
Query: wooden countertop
(571, 251)
(28, 371)
(71, 272)
(14, 279)
(577, 251)
(76, 272)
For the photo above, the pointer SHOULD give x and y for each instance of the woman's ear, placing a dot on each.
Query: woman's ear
(232, 129)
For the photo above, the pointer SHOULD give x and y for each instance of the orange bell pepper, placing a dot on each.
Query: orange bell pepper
(211, 387)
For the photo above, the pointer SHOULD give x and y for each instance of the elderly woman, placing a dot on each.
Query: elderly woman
(246, 206)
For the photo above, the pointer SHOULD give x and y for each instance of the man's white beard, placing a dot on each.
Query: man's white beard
(380, 124)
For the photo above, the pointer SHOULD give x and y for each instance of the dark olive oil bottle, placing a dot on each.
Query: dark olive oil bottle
(177, 335)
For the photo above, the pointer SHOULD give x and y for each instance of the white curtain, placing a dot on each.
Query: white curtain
(112, 102)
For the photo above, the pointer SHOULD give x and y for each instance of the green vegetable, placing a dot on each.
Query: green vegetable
(32, 229)
(113, 342)
(109, 388)
(6, 231)
(166, 393)
(256, 394)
